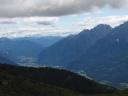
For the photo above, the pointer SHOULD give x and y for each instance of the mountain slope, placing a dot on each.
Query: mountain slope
(45, 41)
(106, 59)
(24, 81)
(70, 48)
(11, 85)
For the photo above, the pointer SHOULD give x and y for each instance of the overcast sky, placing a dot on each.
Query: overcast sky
(20, 18)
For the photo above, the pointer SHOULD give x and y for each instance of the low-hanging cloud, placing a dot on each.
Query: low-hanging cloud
(48, 21)
(26, 27)
(27, 8)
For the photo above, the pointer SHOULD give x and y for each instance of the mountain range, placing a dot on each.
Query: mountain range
(100, 52)
(70, 48)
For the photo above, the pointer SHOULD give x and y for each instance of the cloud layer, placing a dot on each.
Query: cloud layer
(49, 26)
(26, 8)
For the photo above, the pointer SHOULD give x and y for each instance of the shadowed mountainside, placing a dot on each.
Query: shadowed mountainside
(24, 81)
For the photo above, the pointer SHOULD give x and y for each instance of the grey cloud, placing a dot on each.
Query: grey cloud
(25, 8)
(47, 21)
(7, 22)
(44, 23)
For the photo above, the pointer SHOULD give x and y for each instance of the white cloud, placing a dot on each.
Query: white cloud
(50, 26)
(90, 22)
(30, 20)
(32, 26)
(27, 26)
(57, 31)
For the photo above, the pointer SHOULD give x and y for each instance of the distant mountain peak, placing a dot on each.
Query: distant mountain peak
(85, 30)
(102, 26)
